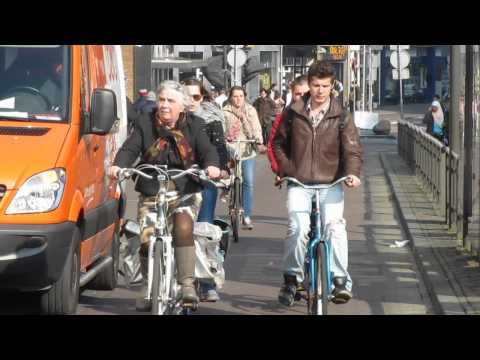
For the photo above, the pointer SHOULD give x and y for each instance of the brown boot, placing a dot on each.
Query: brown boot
(142, 303)
(185, 258)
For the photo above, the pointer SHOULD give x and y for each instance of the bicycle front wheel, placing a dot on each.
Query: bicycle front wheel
(159, 296)
(235, 209)
(320, 298)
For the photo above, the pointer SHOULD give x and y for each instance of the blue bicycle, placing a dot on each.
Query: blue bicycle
(318, 278)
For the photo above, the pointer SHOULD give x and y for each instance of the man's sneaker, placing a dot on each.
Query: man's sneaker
(288, 290)
(208, 293)
(247, 223)
(341, 295)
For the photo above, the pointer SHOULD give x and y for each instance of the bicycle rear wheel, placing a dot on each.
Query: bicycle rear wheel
(320, 298)
(159, 296)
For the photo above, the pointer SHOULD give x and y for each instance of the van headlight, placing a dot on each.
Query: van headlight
(41, 193)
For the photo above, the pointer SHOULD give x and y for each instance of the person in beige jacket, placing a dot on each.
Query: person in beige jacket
(242, 123)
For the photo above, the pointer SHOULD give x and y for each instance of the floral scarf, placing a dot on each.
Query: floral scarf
(241, 114)
(171, 147)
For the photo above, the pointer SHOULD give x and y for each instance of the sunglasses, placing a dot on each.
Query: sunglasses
(196, 97)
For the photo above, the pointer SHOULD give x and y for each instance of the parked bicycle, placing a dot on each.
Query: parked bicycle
(162, 289)
(318, 278)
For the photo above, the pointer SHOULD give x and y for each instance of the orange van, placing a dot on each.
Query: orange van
(62, 119)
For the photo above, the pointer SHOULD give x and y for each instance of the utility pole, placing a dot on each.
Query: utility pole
(456, 129)
(225, 68)
(364, 68)
(281, 70)
(468, 144)
(400, 81)
(370, 85)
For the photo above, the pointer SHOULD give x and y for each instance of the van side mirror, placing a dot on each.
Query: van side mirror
(103, 111)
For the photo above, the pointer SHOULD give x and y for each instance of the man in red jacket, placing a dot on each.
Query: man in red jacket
(298, 87)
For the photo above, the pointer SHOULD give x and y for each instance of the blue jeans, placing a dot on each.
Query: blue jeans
(299, 204)
(209, 202)
(248, 173)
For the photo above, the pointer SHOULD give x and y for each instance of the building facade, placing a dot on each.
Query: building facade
(429, 75)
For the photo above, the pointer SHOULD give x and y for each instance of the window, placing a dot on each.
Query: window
(266, 58)
(34, 82)
(191, 55)
(162, 51)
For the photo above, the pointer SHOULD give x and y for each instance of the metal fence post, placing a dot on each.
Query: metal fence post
(443, 184)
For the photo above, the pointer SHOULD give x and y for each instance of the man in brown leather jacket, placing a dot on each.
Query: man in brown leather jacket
(317, 143)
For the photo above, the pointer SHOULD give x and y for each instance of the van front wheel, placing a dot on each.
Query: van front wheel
(108, 277)
(62, 297)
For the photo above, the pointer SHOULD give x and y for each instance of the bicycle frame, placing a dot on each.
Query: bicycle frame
(318, 237)
(160, 237)
(237, 172)
(161, 232)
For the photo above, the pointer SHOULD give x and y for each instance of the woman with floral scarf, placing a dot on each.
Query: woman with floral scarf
(170, 136)
(242, 123)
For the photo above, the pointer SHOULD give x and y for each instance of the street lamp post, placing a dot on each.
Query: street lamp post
(364, 69)
(400, 81)
(370, 85)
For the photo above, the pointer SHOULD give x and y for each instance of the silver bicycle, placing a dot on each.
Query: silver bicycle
(163, 289)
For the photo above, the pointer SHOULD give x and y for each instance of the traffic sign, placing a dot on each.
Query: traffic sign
(402, 47)
(404, 59)
(405, 74)
(241, 58)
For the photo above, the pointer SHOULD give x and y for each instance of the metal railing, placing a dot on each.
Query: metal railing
(436, 166)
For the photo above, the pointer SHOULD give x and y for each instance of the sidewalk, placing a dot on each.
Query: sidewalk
(451, 276)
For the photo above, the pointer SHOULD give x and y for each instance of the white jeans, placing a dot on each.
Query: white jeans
(299, 204)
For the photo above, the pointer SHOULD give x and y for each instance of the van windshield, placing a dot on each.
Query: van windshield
(34, 82)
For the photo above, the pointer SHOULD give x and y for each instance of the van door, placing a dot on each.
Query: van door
(103, 74)
(86, 165)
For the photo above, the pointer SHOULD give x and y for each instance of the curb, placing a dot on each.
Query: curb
(442, 292)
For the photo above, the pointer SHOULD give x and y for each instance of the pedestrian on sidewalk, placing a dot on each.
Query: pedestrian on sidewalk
(141, 100)
(317, 143)
(242, 124)
(435, 121)
(279, 104)
(265, 107)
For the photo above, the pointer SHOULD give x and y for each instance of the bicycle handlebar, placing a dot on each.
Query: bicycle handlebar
(313, 187)
(127, 173)
(243, 141)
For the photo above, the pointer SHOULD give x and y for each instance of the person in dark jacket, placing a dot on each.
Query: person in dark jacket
(265, 107)
(141, 100)
(215, 124)
(171, 136)
(150, 105)
(132, 115)
(317, 143)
